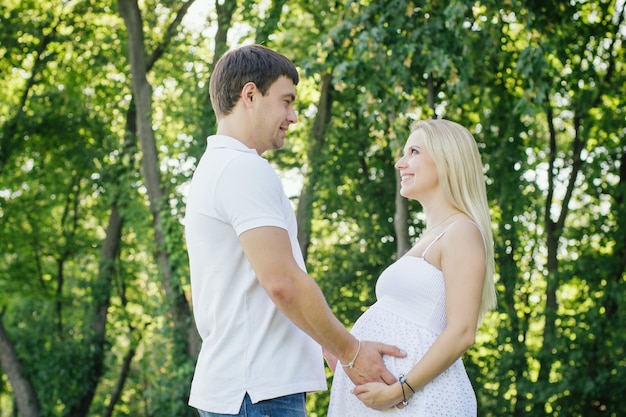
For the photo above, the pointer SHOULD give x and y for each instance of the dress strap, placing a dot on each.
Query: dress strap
(446, 229)
(436, 239)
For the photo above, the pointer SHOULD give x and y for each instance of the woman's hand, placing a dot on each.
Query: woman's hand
(379, 396)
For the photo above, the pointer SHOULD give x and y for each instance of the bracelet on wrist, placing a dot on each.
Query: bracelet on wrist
(351, 363)
(402, 379)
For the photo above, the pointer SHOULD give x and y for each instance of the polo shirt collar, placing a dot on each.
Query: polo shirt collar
(227, 142)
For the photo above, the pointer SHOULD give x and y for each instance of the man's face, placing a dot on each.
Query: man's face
(274, 113)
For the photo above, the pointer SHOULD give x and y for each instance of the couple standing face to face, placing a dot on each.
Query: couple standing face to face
(241, 235)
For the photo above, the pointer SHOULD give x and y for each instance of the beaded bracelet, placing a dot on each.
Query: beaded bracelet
(351, 363)
(403, 381)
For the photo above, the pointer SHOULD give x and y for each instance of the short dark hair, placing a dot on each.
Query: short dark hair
(250, 63)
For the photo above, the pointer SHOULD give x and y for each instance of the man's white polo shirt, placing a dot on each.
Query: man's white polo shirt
(248, 344)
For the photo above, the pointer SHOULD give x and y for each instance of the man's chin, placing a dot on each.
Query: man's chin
(279, 142)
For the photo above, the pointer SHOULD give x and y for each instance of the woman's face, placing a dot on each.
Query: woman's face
(417, 169)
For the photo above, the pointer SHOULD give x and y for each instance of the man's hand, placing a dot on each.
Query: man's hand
(369, 366)
(331, 360)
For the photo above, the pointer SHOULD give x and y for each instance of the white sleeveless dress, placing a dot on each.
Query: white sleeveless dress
(410, 312)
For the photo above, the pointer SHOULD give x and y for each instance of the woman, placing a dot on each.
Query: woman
(431, 300)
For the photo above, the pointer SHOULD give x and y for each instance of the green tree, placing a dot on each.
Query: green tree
(103, 115)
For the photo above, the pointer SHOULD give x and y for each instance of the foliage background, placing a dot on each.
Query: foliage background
(103, 113)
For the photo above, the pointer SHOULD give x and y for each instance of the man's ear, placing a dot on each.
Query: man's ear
(248, 92)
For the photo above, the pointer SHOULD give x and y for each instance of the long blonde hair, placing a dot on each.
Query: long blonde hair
(454, 151)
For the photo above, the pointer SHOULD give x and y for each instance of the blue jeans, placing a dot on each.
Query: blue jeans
(288, 406)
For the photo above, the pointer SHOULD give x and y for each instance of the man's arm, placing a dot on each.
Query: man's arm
(298, 296)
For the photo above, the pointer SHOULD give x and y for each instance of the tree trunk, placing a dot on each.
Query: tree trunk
(305, 207)
(142, 91)
(121, 380)
(23, 391)
(554, 230)
(102, 298)
(225, 13)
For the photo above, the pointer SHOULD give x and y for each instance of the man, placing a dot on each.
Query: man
(262, 318)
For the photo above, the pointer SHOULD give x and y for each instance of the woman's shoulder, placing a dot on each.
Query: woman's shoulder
(464, 234)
